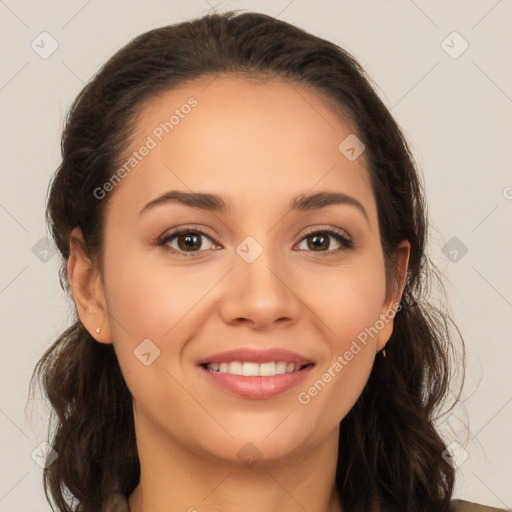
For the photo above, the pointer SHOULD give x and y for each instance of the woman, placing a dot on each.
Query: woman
(243, 233)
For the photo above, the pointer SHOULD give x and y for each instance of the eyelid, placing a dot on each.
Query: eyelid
(185, 228)
(328, 229)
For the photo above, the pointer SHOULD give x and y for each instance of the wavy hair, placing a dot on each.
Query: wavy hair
(390, 453)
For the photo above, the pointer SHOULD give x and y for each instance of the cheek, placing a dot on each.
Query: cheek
(349, 304)
(149, 299)
(150, 302)
(163, 303)
(330, 397)
(351, 346)
(348, 299)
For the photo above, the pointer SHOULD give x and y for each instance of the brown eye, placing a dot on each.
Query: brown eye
(185, 240)
(189, 241)
(321, 241)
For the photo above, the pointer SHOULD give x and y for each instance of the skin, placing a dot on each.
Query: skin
(258, 144)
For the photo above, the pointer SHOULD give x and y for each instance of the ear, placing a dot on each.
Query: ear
(87, 289)
(392, 302)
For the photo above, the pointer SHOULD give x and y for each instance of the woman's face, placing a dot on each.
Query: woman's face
(256, 275)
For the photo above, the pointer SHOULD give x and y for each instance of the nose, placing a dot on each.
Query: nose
(260, 293)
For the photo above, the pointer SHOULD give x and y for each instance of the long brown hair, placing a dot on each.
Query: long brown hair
(390, 454)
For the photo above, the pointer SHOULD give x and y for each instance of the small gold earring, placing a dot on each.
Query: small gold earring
(98, 329)
(383, 352)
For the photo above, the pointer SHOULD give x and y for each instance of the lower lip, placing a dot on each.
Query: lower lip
(258, 387)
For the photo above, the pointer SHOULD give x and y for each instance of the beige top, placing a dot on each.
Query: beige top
(119, 503)
(466, 506)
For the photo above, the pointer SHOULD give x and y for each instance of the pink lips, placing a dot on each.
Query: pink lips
(257, 387)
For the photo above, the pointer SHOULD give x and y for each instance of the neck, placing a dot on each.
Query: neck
(175, 478)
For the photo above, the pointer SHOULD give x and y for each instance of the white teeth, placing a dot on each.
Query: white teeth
(235, 368)
(250, 369)
(267, 369)
(280, 367)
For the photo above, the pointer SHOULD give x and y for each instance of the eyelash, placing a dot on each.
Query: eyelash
(345, 242)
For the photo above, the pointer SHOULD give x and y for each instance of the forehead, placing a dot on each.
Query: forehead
(251, 140)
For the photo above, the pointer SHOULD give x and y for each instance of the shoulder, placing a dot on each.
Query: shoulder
(467, 506)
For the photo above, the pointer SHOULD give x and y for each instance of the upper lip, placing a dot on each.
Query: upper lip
(257, 356)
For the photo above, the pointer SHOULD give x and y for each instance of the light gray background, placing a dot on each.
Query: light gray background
(456, 113)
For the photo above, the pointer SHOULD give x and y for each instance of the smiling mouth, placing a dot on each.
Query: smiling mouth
(252, 369)
(251, 380)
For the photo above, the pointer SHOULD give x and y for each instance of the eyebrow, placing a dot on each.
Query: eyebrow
(216, 203)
